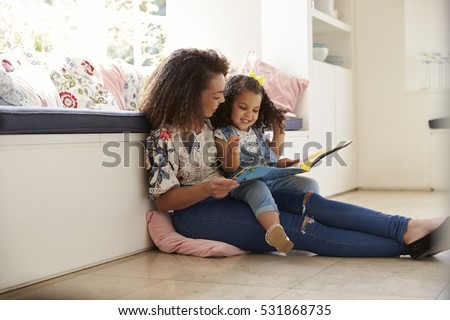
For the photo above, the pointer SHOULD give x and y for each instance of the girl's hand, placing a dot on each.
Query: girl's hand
(233, 144)
(219, 187)
(286, 162)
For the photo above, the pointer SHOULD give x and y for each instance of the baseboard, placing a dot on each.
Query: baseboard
(396, 188)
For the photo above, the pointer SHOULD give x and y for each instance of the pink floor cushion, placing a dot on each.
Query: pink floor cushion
(163, 234)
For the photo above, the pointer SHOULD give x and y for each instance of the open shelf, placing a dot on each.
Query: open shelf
(325, 24)
(335, 34)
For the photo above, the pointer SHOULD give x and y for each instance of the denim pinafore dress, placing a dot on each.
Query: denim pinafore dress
(263, 156)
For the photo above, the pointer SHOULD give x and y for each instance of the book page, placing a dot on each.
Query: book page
(318, 155)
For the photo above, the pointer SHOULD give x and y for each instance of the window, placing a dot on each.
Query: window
(132, 30)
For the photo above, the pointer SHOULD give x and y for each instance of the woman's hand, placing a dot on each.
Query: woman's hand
(218, 187)
(181, 198)
(286, 162)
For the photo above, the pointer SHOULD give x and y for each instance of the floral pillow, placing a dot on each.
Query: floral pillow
(135, 80)
(29, 86)
(4, 102)
(283, 89)
(10, 62)
(13, 60)
(113, 81)
(9, 91)
(80, 85)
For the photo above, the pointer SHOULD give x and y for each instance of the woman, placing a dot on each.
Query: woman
(184, 176)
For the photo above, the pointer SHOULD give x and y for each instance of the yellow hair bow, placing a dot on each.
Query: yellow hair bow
(260, 79)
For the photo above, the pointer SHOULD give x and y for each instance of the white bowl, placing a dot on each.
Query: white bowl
(324, 5)
(320, 53)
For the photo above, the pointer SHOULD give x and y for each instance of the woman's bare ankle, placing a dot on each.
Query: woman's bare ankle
(419, 228)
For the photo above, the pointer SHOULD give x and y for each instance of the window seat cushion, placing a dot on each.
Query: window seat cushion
(39, 120)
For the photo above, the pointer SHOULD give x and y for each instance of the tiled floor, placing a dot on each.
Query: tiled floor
(155, 275)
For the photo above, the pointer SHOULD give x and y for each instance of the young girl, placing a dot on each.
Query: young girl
(240, 122)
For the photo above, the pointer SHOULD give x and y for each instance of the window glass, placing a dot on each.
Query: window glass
(132, 30)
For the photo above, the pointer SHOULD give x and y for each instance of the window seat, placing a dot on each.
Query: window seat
(72, 191)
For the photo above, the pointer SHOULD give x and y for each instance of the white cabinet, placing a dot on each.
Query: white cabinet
(345, 115)
(333, 122)
(323, 123)
(296, 144)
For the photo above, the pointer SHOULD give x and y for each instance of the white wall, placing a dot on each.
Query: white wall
(231, 26)
(427, 31)
(393, 134)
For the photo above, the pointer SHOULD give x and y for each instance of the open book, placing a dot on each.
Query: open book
(269, 173)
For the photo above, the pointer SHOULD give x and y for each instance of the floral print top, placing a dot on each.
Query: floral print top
(173, 162)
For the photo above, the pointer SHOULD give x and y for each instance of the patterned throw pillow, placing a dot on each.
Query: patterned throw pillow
(13, 60)
(29, 86)
(42, 59)
(113, 80)
(80, 85)
(135, 79)
(25, 84)
(4, 102)
(9, 92)
(10, 62)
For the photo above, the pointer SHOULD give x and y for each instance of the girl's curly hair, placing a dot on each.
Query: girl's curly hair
(235, 86)
(172, 95)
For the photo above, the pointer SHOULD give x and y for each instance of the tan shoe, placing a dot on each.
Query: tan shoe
(277, 238)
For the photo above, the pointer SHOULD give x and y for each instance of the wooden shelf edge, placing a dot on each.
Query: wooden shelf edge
(328, 24)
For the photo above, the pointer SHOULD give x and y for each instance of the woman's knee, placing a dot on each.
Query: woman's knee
(311, 185)
(298, 183)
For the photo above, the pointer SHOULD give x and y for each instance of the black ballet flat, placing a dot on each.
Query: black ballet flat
(433, 243)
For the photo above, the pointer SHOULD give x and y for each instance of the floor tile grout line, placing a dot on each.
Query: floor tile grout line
(446, 288)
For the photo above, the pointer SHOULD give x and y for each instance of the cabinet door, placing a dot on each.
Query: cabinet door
(323, 127)
(345, 130)
(296, 147)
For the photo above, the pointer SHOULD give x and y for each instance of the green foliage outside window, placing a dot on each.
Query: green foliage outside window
(133, 29)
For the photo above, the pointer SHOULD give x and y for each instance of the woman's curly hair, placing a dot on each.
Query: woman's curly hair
(235, 86)
(172, 95)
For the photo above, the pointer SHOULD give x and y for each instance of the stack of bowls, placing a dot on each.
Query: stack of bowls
(320, 51)
(336, 60)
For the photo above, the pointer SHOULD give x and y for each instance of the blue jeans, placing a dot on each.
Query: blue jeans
(258, 194)
(335, 228)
